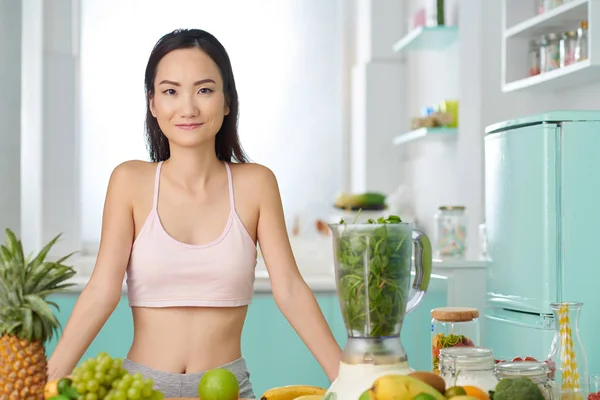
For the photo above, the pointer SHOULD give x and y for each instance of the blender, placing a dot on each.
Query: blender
(373, 279)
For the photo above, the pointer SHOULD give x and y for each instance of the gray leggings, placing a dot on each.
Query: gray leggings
(186, 385)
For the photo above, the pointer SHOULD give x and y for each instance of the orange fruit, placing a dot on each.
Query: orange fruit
(476, 392)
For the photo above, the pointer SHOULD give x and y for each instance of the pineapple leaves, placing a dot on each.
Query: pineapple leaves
(39, 259)
(44, 313)
(27, 329)
(25, 282)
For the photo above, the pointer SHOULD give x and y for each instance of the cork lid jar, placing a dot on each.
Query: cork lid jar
(453, 327)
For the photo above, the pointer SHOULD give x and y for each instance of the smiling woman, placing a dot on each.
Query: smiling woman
(184, 228)
(290, 69)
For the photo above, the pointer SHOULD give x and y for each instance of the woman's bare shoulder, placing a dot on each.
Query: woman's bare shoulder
(133, 175)
(253, 173)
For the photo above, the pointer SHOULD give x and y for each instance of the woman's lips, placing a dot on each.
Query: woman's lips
(189, 127)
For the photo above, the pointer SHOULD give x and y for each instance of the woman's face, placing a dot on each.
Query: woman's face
(189, 102)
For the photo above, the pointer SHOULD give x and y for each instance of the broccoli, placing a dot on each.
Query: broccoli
(517, 389)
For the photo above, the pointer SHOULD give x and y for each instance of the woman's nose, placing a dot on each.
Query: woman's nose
(189, 108)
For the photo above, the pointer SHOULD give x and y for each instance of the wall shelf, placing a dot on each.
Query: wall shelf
(561, 18)
(423, 132)
(427, 38)
(522, 25)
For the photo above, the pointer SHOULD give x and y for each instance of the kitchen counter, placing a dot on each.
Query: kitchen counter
(318, 283)
(316, 269)
(317, 272)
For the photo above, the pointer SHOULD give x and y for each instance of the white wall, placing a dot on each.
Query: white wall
(10, 106)
(430, 167)
(288, 61)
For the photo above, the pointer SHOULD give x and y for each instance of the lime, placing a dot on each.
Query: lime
(455, 391)
(424, 396)
(365, 395)
(218, 384)
(63, 384)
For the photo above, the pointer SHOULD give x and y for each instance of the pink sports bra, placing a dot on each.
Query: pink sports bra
(164, 272)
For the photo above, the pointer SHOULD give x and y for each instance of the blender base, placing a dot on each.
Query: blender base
(354, 379)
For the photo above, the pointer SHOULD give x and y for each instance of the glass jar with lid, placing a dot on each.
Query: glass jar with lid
(452, 327)
(468, 366)
(535, 63)
(568, 47)
(537, 371)
(450, 232)
(550, 52)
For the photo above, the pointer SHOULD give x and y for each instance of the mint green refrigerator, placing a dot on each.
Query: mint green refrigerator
(542, 211)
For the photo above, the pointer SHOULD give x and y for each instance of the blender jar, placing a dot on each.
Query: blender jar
(373, 264)
(453, 327)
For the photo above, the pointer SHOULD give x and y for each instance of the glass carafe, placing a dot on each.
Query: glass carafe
(567, 359)
(373, 277)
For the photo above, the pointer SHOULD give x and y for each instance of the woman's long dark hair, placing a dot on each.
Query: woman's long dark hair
(227, 142)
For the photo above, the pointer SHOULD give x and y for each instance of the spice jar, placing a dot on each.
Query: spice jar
(450, 232)
(534, 370)
(535, 63)
(468, 366)
(568, 46)
(550, 52)
(453, 327)
(550, 4)
(581, 49)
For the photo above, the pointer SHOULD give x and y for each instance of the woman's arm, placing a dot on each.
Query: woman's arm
(103, 291)
(292, 295)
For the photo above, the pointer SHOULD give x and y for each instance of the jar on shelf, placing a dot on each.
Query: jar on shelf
(550, 52)
(452, 327)
(534, 370)
(550, 4)
(535, 63)
(539, 6)
(581, 48)
(568, 47)
(468, 366)
(450, 232)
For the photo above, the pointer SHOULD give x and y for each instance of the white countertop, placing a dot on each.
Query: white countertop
(318, 274)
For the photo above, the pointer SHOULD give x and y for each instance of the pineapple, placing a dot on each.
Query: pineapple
(26, 319)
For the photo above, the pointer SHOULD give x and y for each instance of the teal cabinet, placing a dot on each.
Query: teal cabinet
(275, 354)
(115, 337)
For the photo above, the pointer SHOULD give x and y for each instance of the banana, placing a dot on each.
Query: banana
(292, 392)
(310, 397)
(401, 387)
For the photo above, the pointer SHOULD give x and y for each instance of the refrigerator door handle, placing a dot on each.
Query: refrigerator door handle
(543, 322)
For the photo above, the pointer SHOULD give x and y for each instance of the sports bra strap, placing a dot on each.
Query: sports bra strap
(230, 181)
(156, 184)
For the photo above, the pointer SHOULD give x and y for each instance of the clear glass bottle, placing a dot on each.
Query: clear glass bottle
(468, 366)
(568, 47)
(450, 232)
(452, 327)
(567, 359)
(534, 370)
(535, 63)
(550, 52)
(581, 49)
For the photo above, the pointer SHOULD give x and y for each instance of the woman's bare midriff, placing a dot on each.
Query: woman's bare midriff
(186, 339)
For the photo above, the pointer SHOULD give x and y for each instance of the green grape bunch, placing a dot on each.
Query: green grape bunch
(104, 378)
